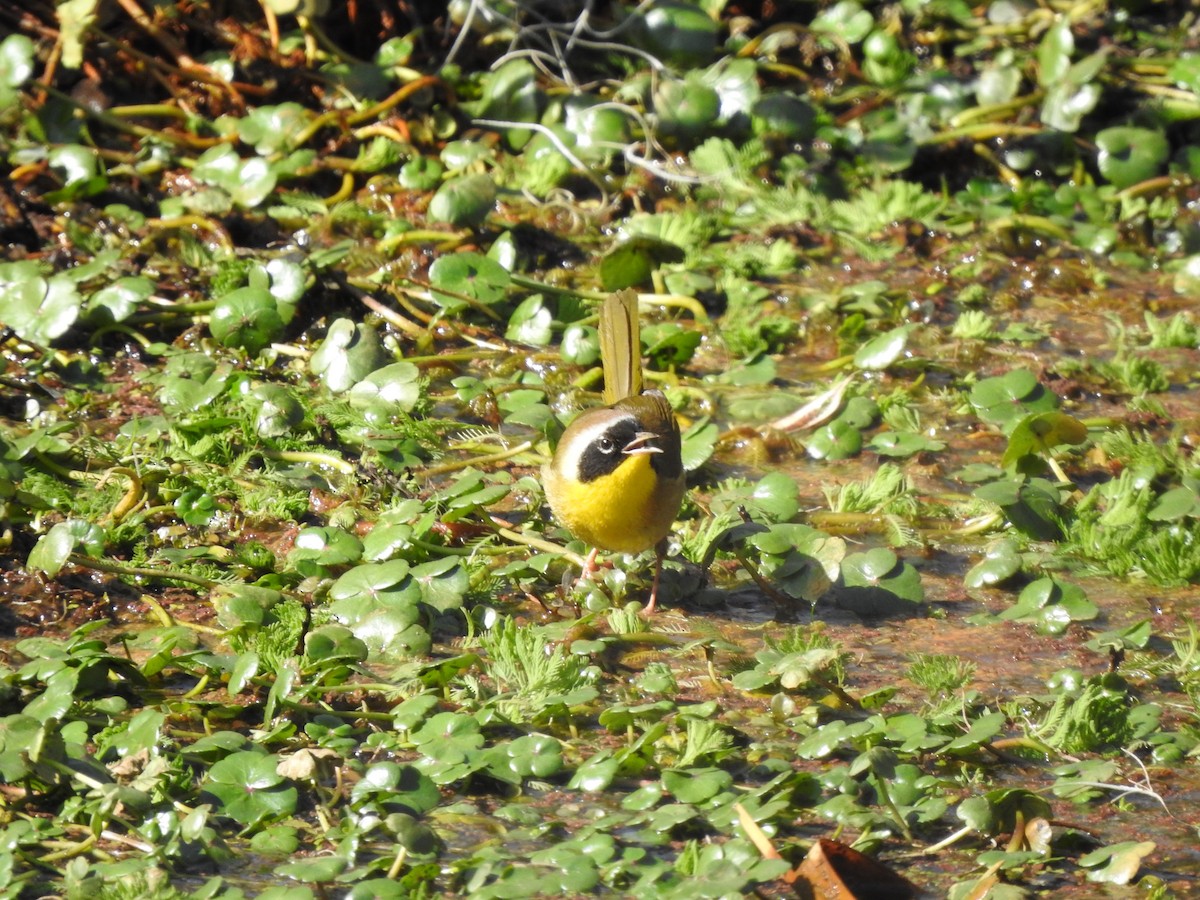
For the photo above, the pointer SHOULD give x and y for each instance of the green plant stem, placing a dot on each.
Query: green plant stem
(540, 544)
(545, 288)
(444, 240)
(838, 691)
(203, 223)
(485, 460)
(985, 131)
(426, 291)
(1057, 469)
(166, 619)
(198, 688)
(120, 328)
(848, 523)
(759, 579)
(54, 468)
(101, 565)
(945, 842)
(187, 309)
(372, 112)
(106, 117)
(977, 525)
(986, 114)
(457, 357)
(442, 549)
(149, 111)
(1023, 743)
(397, 865)
(1158, 185)
(308, 456)
(897, 816)
(1030, 223)
(71, 850)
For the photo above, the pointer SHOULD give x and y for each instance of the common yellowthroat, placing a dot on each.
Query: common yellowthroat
(616, 480)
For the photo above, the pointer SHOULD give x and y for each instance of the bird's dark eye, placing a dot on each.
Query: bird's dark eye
(606, 444)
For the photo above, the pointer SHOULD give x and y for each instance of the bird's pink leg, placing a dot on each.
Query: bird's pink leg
(658, 564)
(589, 564)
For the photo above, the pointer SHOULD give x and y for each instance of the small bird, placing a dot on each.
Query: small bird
(616, 480)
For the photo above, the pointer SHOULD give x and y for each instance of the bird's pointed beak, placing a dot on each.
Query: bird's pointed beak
(641, 444)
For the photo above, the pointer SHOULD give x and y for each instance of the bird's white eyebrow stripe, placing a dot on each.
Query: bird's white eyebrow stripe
(591, 432)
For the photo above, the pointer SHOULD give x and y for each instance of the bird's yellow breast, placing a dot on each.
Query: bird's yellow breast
(627, 510)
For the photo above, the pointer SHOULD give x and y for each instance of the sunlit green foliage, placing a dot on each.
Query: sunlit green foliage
(296, 301)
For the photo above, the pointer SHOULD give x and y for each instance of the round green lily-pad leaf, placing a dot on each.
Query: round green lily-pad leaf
(443, 583)
(903, 443)
(580, 345)
(278, 413)
(333, 642)
(510, 93)
(464, 201)
(318, 869)
(81, 172)
(1051, 605)
(467, 275)
(1038, 434)
(421, 173)
(276, 841)
(37, 309)
(680, 34)
(977, 813)
(531, 322)
(449, 737)
(248, 788)
(1032, 508)
(414, 836)
(860, 412)
(16, 64)
(631, 262)
(530, 756)
(878, 583)
(697, 784)
(381, 583)
(271, 129)
(1177, 503)
(1127, 155)
(387, 392)
(846, 20)
(1001, 561)
(883, 350)
(599, 130)
(997, 84)
(53, 548)
(837, 440)
(595, 774)
(1117, 863)
(670, 344)
(347, 355)
(380, 888)
(459, 155)
(390, 633)
(240, 605)
(783, 115)
(326, 545)
(686, 108)
(246, 318)
(195, 506)
(1006, 399)
(118, 301)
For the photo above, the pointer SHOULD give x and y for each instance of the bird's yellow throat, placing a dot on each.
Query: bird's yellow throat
(617, 511)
